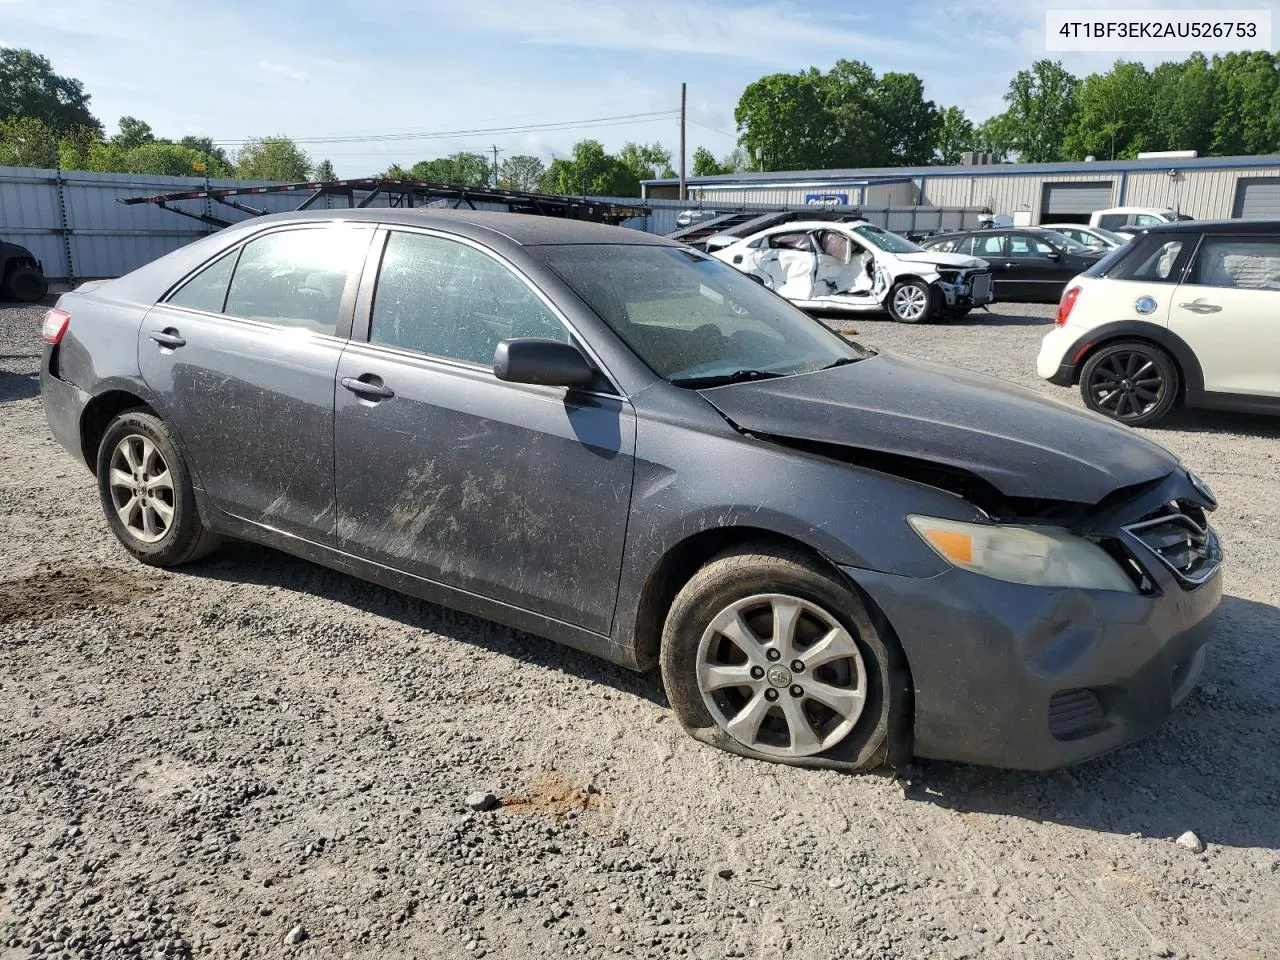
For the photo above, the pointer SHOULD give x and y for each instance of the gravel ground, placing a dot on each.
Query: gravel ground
(255, 756)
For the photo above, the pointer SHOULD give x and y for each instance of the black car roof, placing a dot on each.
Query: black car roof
(522, 228)
(1217, 226)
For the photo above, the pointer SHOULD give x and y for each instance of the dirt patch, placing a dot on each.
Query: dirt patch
(54, 594)
(553, 794)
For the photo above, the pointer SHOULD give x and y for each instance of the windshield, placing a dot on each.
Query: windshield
(693, 319)
(1110, 235)
(886, 241)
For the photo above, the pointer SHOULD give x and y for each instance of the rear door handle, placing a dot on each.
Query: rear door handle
(1197, 307)
(371, 388)
(168, 338)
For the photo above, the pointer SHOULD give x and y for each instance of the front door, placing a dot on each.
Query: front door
(242, 357)
(1228, 312)
(514, 492)
(1037, 266)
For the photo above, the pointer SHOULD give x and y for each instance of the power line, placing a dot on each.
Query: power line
(477, 131)
(707, 126)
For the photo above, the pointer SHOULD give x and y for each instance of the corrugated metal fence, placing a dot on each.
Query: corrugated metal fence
(72, 223)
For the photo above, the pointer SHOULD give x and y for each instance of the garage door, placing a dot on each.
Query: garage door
(1258, 198)
(1073, 202)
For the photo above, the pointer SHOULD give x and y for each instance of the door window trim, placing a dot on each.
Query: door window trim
(347, 304)
(362, 325)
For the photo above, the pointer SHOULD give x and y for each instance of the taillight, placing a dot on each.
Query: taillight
(55, 325)
(1065, 304)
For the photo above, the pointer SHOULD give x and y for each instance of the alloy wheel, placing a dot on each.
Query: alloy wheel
(910, 301)
(781, 675)
(1127, 385)
(141, 488)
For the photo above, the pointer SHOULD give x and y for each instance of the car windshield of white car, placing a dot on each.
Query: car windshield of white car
(695, 320)
(886, 241)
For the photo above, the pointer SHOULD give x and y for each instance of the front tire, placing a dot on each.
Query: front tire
(767, 655)
(911, 301)
(26, 285)
(146, 492)
(1133, 382)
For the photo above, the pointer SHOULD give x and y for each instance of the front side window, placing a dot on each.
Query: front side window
(1112, 221)
(296, 278)
(1248, 263)
(692, 319)
(1021, 245)
(943, 246)
(836, 245)
(449, 299)
(1146, 220)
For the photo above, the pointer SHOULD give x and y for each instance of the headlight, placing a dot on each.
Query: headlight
(1040, 556)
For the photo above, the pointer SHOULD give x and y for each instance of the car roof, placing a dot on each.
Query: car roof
(1216, 226)
(522, 228)
(794, 226)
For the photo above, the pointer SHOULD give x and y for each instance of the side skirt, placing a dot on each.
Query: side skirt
(429, 590)
(1237, 402)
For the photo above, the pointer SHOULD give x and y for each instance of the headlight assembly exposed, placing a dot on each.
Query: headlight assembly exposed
(1038, 556)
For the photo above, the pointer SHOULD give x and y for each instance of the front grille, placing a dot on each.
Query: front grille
(980, 289)
(1180, 537)
(1075, 713)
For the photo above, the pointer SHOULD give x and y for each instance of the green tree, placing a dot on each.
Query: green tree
(27, 142)
(591, 171)
(784, 123)
(324, 171)
(906, 121)
(646, 161)
(459, 169)
(1113, 114)
(133, 133)
(163, 159)
(522, 172)
(30, 88)
(397, 172)
(955, 136)
(705, 164)
(855, 104)
(1183, 105)
(74, 146)
(736, 161)
(215, 155)
(1248, 89)
(273, 158)
(995, 134)
(1042, 107)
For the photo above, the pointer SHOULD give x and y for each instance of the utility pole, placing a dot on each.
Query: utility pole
(682, 177)
(497, 181)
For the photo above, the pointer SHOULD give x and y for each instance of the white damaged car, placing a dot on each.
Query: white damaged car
(830, 265)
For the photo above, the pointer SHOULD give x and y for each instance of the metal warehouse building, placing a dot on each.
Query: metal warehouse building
(1201, 187)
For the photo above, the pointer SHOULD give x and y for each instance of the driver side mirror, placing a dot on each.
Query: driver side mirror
(549, 363)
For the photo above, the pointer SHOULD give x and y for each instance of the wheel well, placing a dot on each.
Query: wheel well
(97, 414)
(1130, 338)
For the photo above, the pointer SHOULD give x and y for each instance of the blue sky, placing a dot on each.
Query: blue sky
(232, 69)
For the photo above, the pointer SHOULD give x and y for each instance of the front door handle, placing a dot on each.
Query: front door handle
(1197, 307)
(369, 387)
(168, 338)
(1010, 266)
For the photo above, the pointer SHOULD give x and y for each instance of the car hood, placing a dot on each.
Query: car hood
(958, 260)
(1023, 444)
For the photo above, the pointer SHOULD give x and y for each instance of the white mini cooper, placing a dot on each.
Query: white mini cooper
(1188, 311)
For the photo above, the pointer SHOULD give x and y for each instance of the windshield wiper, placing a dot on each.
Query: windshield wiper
(843, 361)
(720, 379)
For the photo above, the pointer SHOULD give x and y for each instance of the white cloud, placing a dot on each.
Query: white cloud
(764, 32)
(285, 71)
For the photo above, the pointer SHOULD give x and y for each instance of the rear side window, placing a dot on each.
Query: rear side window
(207, 290)
(445, 298)
(1248, 263)
(296, 278)
(991, 245)
(1158, 262)
(1111, 221)
(790, 241)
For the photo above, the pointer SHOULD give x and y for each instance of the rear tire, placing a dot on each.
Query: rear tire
(26, 285)
(734, 686)
(1132, 382)
(146, 492)
(911, 301)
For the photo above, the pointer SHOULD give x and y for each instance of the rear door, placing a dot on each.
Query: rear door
(242, 357)
(514, 492)
(1228, 312)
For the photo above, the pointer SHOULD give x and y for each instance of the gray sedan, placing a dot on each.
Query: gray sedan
(837, 557)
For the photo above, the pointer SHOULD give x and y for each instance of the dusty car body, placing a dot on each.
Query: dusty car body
(837, 557)
(857, 266)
